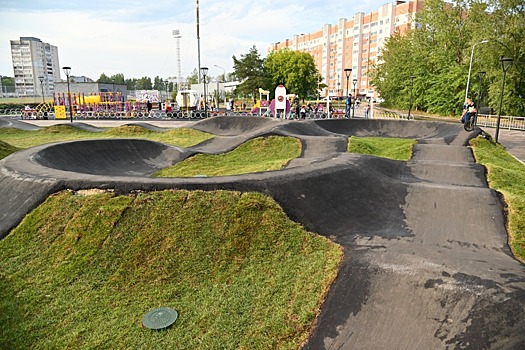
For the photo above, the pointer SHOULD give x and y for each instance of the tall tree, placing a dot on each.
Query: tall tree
(249, 69)
(295, 70)
(104, 79)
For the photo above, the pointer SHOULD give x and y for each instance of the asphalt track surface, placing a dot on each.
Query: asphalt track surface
(426, 266)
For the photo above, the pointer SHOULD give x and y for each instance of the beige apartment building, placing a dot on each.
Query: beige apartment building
(353, 44)
(35, 66)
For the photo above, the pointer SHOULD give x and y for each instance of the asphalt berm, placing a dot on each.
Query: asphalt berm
(426, 266)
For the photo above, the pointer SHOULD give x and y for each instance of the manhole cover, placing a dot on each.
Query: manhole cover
(160, 318)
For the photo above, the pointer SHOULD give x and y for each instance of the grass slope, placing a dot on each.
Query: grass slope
(392, 148)
(257, 155)
(506, 175)
(81, 271)
(6, 149)
(183, 137)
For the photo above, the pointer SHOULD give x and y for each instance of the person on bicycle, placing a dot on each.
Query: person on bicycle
(468, 109)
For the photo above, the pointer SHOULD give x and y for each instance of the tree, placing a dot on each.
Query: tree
(144, 83)
(193, 78)
(158, 84)
(249, 69)
(104, 79)
(295, 70)
(438, 53)
(118, 78)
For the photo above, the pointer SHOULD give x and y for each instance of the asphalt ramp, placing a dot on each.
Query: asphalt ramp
(426, 265)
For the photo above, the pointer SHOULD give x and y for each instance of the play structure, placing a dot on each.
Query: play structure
(98, 104)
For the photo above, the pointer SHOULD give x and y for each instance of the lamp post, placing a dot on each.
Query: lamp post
(223, 81)
(470, 65)
(67, 71)
(505, 64)
(411, 88)
(41, 78)
(348, 72)
(204, 72)
(354, 81)
(480, 75)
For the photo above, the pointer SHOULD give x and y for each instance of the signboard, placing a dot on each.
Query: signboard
(280, 98)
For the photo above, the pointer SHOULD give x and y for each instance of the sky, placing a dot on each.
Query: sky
(135, 38)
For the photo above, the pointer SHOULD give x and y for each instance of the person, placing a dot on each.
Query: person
(303, 112)
(468, 109)
(149, 106)
(367, 110)
(297, 106)
(348, 105)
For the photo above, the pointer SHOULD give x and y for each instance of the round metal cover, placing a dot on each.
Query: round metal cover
(160, 318)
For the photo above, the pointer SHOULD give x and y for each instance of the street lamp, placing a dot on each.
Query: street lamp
(67, 71)
(470, 65)
(354, 81)
(204, 72)
(348, 72)
(480, 75)
(41, 78)
(411, 88)
(505, 64)
(223, 81)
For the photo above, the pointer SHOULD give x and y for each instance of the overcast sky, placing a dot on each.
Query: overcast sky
(135, 37)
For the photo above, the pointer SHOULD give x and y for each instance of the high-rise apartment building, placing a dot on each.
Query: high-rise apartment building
(35, 66)
(353, 44)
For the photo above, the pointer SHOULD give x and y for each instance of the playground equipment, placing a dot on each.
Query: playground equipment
(98, 104)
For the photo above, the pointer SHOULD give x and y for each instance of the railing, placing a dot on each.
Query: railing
(483, 120)
(506, 122)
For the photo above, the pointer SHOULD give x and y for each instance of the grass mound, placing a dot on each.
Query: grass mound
(182, 137)
(505, 174)
(81, 271)
(6, 149)
(392, 148)
(257, 155)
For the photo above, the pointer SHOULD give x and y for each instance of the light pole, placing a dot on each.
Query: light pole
(480, 75)
(204, 72)
(348, 72)
(223, 82)
(505, 64)
(41, 78)
(470, 65)
(67, 71)
(354, 81)
(411, 88)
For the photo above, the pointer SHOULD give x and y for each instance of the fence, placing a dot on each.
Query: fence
(483, 120)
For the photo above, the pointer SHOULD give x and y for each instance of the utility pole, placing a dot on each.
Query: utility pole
(198, 45)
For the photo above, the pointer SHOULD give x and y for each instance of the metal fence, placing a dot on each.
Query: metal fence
(506, 122)
(483, 120)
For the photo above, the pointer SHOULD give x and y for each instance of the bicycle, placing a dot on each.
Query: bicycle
(470, 121)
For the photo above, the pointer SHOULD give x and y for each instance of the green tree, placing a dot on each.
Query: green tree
(249, 69)
(104, 79)
(144, 83)
(295, 70)
(158, 84)
(118, 78)
(193, 78)
(131, 84)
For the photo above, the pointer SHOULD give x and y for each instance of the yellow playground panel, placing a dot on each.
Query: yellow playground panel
(60, 112)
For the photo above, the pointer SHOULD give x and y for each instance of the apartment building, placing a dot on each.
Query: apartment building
(35, 65)
(353, 44)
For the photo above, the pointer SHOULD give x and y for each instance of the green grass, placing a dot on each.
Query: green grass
(392, 148)
(183, 137)
(80, 272)
(257, 155)
(507, 176)
(6, 149)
